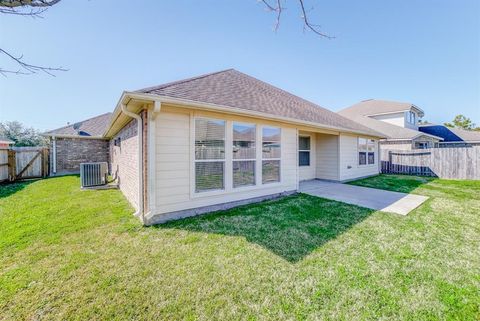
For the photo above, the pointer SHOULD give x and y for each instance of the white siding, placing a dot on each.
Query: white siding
(308, 172)
(349, 168)
(395, 119)
(174, 163)
(327, 157)
(400, 145)
(413, 126)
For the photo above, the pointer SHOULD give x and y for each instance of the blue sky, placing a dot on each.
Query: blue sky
(425, 52)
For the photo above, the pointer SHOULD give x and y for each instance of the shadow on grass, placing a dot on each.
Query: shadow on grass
(396, 183)
(7, 189)
(291, 227)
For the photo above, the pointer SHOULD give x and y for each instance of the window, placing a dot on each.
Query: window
(422, 145)
(411, 117)
(371, 151)
(209, 154)
(304, 151)
(244, 154)
(366, 151)
(271, 154)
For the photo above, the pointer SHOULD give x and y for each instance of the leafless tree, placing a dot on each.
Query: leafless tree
(33, 9)
(276, 7)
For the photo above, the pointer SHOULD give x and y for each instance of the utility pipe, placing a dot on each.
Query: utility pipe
(137, 117)
(54, 154)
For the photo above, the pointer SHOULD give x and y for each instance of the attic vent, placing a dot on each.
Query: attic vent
(82, 133)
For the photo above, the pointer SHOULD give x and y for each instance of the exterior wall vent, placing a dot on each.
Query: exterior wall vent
(93, 174)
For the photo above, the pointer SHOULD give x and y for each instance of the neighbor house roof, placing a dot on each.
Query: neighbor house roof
(360, 113)
(451, 134)
(5, 140)
(231, 88)
(390, 131)
(372, 107)
(92, 127)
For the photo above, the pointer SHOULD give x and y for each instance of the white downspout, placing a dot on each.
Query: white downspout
(54, 154)
(139, 211)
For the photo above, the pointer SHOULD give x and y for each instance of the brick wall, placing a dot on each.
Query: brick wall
(73, 151)
(124, 161)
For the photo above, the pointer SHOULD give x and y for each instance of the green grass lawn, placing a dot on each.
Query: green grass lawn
(81, 255)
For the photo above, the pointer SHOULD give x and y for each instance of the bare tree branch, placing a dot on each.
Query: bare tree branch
(28, 3)
(26, 68)
(34, 9)
(306, 22)
(312, 27)
(277, 8)
(34, 13)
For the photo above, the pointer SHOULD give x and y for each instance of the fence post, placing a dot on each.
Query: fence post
(389, 161)
(12, 165)
(44, 162)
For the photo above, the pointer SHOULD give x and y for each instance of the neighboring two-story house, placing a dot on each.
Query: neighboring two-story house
(398, 122)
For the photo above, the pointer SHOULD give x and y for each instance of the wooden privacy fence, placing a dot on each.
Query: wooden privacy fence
(23, 163)
(445, 162)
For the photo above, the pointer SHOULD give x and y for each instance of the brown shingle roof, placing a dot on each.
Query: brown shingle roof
(95, 126)
(232, 88)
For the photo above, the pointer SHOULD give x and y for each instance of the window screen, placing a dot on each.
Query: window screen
(244, 154)
(209, 154)
(271, 154)
(366, 151)
(270, 171)
(271, 142)
(304, 151)
(371, 151)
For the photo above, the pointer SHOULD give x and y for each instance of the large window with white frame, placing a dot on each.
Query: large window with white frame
(244, 154)
(209, 154)
(366, 151)
(271, 154)
(304, 151)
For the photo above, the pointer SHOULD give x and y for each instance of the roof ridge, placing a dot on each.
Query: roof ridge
(66, 126)
(181, 81)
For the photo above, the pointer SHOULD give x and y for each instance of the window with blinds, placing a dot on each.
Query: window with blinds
(271, 154)
(366, 151)
(304, 151)
(244, 154)
(209, 154)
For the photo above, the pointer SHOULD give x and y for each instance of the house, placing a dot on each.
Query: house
(451, 136)
(224, 139)
(78, 143)
(397, 121)
(5, 142)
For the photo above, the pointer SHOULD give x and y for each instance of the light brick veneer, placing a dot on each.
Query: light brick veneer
(124, 161)
(73, 151)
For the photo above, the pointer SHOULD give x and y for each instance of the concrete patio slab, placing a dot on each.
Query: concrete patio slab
(377, 199)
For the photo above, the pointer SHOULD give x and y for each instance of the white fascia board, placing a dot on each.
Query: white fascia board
(233, 110)
(72, 136)
(387, 113)
(429, 135)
